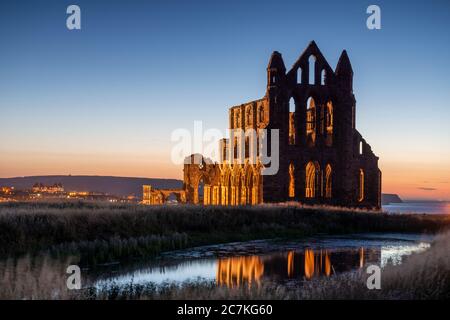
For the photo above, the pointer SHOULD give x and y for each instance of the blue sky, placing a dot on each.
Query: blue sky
(106, 98)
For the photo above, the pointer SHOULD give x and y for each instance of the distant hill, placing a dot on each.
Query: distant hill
(120, 186)
(388, 198)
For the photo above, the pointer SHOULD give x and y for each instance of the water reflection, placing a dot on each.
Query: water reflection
(317, 264)
(279, 266)
(236, 271)
(361, 257)
(307, 264)
(290, 266)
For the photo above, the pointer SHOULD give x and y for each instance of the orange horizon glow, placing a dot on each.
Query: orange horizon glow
(414, 180)
(427, 180)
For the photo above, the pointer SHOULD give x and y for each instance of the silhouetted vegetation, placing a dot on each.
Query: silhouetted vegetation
(106, 232)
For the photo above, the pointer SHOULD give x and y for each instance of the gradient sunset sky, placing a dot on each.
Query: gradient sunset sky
(104, 100)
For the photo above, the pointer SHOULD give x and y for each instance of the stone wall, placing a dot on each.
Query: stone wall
(323, 158)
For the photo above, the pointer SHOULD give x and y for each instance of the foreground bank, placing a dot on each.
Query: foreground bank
(102, 233)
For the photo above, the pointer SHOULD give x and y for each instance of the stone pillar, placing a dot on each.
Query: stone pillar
(216, 195)
(255, 195)
(196, 195)
(233, 196)
(223, 190)
(206, 195)
(243, 195)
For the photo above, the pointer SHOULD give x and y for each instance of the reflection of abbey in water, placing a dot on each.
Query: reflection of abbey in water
(322, 157)
(247, 270)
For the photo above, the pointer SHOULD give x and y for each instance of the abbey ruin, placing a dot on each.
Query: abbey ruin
(323, 159)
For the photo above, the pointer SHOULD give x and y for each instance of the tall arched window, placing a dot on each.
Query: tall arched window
(248, 116)
(361, 185)
(261, 113)
(329, 123)
(292, 121)
(247, 147)
(312, 63)
(328, 181)
(360, 147)
(257, 145)
(322, 77)
(312, 179)
(292, 105)
(330, 120)
(311, 122)
(291, 181)
(235, 148)
(249, 185)
(200, 191)
(299, 75)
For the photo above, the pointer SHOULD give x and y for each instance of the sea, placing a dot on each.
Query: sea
(419, 207)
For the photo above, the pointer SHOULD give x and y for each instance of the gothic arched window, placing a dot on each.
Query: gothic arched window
(322, 77)
(361, 185)
(328, 181)
(248, 117)
(291, 181)
(291, 123)
(261, 113)
(312, 63)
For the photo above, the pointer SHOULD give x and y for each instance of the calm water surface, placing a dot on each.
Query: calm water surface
(419, 207)
(231, 265)
(269, 260)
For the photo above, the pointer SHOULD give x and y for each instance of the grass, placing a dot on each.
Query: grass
(99, 232)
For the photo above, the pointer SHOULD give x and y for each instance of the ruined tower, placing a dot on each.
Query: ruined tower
(323, 158)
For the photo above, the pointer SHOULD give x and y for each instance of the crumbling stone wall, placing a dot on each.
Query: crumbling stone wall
(323, 158)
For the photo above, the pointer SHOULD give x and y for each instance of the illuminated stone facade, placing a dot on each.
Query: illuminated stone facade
(323, 158)
(152, 196)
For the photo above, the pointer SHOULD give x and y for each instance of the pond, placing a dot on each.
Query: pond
(230, 265)
(236, 264)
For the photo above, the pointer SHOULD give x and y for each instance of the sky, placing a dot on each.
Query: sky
(105, 99)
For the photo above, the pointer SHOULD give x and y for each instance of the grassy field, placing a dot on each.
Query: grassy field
(107, 232)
